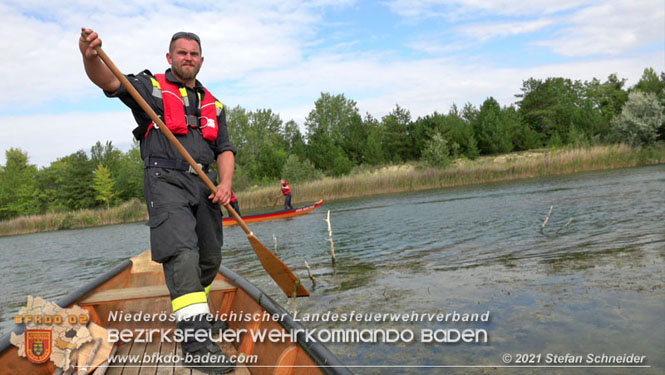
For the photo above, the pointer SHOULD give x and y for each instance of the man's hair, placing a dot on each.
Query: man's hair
(186, 35)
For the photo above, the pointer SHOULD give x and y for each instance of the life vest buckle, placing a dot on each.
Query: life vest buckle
(192, 121)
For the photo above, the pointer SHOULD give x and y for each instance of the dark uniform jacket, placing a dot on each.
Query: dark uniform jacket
(178, 200)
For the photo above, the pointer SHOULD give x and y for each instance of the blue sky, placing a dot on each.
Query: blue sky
(424, 55)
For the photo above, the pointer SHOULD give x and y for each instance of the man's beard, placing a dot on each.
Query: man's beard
(186, 74)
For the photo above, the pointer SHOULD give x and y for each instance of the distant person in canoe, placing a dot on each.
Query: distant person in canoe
(234, 203)
(286, 191)
(184, 217)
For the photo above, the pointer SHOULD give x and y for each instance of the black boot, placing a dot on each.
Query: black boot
(209, 359)
(219, 326)
(202, 355)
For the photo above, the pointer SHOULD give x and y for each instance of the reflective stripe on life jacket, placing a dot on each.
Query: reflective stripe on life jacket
(175, 100)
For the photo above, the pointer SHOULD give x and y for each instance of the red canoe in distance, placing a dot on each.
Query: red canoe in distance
(274, 215)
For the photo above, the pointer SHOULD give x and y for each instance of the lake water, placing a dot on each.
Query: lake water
(596, 286)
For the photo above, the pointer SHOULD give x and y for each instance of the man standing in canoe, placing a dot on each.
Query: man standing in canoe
(185, 218)
(286, 191)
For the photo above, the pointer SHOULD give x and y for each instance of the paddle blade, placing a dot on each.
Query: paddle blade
(279, 272)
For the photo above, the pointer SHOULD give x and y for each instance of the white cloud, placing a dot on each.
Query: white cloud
(48, 137)
(457, 9)
(583, 28)
(268, 55)
(487, 31)
(611, 29)
(45, 61)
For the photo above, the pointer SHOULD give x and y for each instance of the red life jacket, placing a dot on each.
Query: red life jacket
(286, 189)
(174, 110)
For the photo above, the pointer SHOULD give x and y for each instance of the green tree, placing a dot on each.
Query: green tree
(294, 139)
(458, 133)
(260, 138)
(331, 127)
(550, 106)
(469, 113)
(493, 130)
(521, 135)
(609, 96)
(76, 190)
(373, 153)
(52, 181)
(640, 120)
(437, 152)
(104, 185)
(106, 154)
(650, 82)
(129, 176)
(396, 142)
(297, 170)
(599, 105)
(18, 190)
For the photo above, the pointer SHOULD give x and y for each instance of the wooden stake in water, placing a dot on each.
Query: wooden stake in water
(547, 219)
(309, 272)
(542, 227)
(330, 238)
(275, 240)
(293, 297)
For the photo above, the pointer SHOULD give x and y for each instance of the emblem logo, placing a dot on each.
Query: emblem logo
(38, 345)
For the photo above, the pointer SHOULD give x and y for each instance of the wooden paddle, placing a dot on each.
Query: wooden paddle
(280, 272)
(275, 202)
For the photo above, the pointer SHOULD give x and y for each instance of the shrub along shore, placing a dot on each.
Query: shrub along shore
(385, 180)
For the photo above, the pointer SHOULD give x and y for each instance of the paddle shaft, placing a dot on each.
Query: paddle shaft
(166, 131)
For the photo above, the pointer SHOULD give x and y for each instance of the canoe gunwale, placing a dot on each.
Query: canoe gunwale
(317, 351)
(70, 298)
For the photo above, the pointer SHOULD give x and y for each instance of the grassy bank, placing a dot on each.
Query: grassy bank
(127, 212)
(412, 177)
(386, 180)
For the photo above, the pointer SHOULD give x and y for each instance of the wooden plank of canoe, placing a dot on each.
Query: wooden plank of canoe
(166, 368)
(152, 291)
(116, 368)
(143, 263)
(178, 369)
(152, 347)
(136, 351)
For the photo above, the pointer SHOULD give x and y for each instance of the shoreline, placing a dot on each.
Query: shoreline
(378, 181)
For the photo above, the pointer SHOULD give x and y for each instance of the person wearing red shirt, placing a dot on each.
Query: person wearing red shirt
(286, 191)
(234, 203)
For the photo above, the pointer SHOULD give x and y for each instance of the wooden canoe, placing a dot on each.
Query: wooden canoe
(275, 215)
(137, 285)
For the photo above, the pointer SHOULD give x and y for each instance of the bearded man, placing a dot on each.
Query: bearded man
(185, 218)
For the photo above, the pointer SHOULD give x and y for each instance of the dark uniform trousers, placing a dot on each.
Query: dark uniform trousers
(186, 237)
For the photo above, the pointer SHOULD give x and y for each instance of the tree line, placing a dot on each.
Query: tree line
(552, 112)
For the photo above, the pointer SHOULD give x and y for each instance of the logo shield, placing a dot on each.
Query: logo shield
(38, 345)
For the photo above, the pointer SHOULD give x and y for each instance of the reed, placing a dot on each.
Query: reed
(414, 176)
(130, 211)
